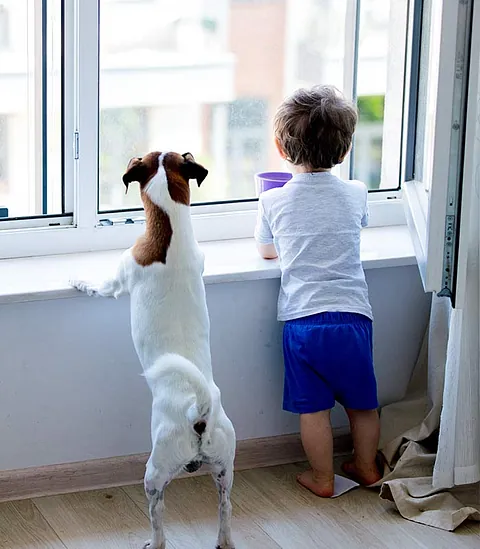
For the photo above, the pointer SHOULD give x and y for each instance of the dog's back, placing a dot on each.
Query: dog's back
(169, 313)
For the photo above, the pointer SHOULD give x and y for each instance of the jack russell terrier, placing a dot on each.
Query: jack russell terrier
(162, 273)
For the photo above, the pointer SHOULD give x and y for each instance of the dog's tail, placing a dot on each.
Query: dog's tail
(176, 366)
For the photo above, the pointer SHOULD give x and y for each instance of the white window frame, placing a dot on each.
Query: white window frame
(84, 232)
(430, 200)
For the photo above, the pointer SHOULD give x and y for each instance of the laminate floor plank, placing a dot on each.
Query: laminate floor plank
(101, 519)
(23, 527)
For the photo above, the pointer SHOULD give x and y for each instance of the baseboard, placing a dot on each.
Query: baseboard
(124, 470)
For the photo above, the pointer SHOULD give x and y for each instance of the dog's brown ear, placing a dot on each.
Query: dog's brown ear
(193, 170)
(136, 171)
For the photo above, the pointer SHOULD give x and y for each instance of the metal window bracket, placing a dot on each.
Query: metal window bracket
(76, 145)
(457, 146)
(106, 222)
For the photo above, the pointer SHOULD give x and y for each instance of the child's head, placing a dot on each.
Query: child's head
(314, 128)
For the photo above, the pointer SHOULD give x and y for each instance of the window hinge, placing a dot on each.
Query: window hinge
(76, 145)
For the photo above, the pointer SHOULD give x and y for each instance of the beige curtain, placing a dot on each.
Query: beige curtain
(410, 431)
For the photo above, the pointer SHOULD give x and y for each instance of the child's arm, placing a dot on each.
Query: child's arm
(263, 234)
(267, 251)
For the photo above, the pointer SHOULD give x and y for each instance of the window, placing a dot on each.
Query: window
(378, 87)
(31, 182)
(209, 76)
(444, 170)
(82, 91)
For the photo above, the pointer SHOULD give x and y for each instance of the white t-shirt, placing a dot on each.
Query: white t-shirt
(315, 222)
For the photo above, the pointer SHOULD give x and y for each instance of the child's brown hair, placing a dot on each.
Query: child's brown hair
(315, 127)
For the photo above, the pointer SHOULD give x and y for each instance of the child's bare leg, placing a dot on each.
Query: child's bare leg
(365, 428)
(317, 441)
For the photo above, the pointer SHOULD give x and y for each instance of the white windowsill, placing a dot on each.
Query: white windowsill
(41, 278)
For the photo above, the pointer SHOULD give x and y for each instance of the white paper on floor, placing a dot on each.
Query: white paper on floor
(343, 485)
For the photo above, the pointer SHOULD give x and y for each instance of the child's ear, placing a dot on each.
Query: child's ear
(280, 150)
(346, 154)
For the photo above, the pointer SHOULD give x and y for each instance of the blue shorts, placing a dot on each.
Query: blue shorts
(329, 357)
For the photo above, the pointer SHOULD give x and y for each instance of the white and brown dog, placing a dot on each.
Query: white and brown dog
(162, 273)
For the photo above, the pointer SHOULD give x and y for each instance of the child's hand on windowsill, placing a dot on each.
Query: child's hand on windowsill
(267, 251)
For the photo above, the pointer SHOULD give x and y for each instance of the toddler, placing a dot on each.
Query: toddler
(313, 224)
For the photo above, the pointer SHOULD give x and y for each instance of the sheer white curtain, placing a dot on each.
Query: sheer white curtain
(458, 455)
(439, 483)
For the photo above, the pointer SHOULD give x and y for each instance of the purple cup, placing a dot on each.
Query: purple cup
(270, 180)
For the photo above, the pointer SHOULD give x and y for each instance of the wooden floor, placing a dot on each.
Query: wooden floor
(270, 511)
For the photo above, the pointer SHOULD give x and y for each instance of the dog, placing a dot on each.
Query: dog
(163, 273)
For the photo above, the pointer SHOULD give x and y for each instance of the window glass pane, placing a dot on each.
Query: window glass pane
(380, 92)
(206, 76)
(428, 87)
(30, 108)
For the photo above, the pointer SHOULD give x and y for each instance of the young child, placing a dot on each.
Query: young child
(313, 224)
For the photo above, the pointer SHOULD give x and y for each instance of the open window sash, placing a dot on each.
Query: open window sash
(434, 201)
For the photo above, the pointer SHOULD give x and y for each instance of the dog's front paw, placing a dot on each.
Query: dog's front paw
(83, 286)
(227, 544)
(148, 545)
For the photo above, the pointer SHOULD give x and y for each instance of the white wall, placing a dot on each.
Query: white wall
(70, 387)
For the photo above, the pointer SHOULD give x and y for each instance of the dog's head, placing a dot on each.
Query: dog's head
(164, 177)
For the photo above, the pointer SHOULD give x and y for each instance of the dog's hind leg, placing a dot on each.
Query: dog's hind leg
(155, 484)
(223, 477)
